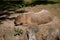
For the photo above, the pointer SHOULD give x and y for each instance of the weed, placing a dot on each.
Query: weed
(18, 31)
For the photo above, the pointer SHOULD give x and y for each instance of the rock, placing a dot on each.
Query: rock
(31, 32)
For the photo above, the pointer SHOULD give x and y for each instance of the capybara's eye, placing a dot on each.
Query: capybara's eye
(21, 23)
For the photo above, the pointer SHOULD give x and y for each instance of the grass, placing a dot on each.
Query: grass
(18, 31)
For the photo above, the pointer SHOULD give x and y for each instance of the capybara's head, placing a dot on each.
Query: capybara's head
(22, 19)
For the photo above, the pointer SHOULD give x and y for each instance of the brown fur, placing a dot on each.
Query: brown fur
(34, 18)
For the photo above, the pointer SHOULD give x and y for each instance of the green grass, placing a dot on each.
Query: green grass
(55, 0)
(18, 31)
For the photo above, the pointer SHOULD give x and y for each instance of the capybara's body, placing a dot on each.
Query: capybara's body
(41, 17)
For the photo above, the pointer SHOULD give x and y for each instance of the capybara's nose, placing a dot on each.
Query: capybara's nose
(16, 24)
(21, 23)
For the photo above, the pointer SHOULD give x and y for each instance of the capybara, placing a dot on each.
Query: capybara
(41, 17)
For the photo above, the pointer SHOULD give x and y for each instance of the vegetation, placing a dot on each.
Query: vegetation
(22, 3)
(18, 31)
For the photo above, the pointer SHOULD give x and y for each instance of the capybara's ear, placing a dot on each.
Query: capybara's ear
(20, 16)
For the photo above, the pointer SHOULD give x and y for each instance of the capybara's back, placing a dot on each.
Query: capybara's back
(41, 17)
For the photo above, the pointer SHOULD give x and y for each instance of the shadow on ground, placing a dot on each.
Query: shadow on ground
(43, 3)
(6, 5)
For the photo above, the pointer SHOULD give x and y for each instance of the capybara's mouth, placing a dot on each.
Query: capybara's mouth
(18, 24)
(21, 23)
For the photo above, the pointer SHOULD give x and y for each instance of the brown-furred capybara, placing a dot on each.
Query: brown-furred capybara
(41, 17)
